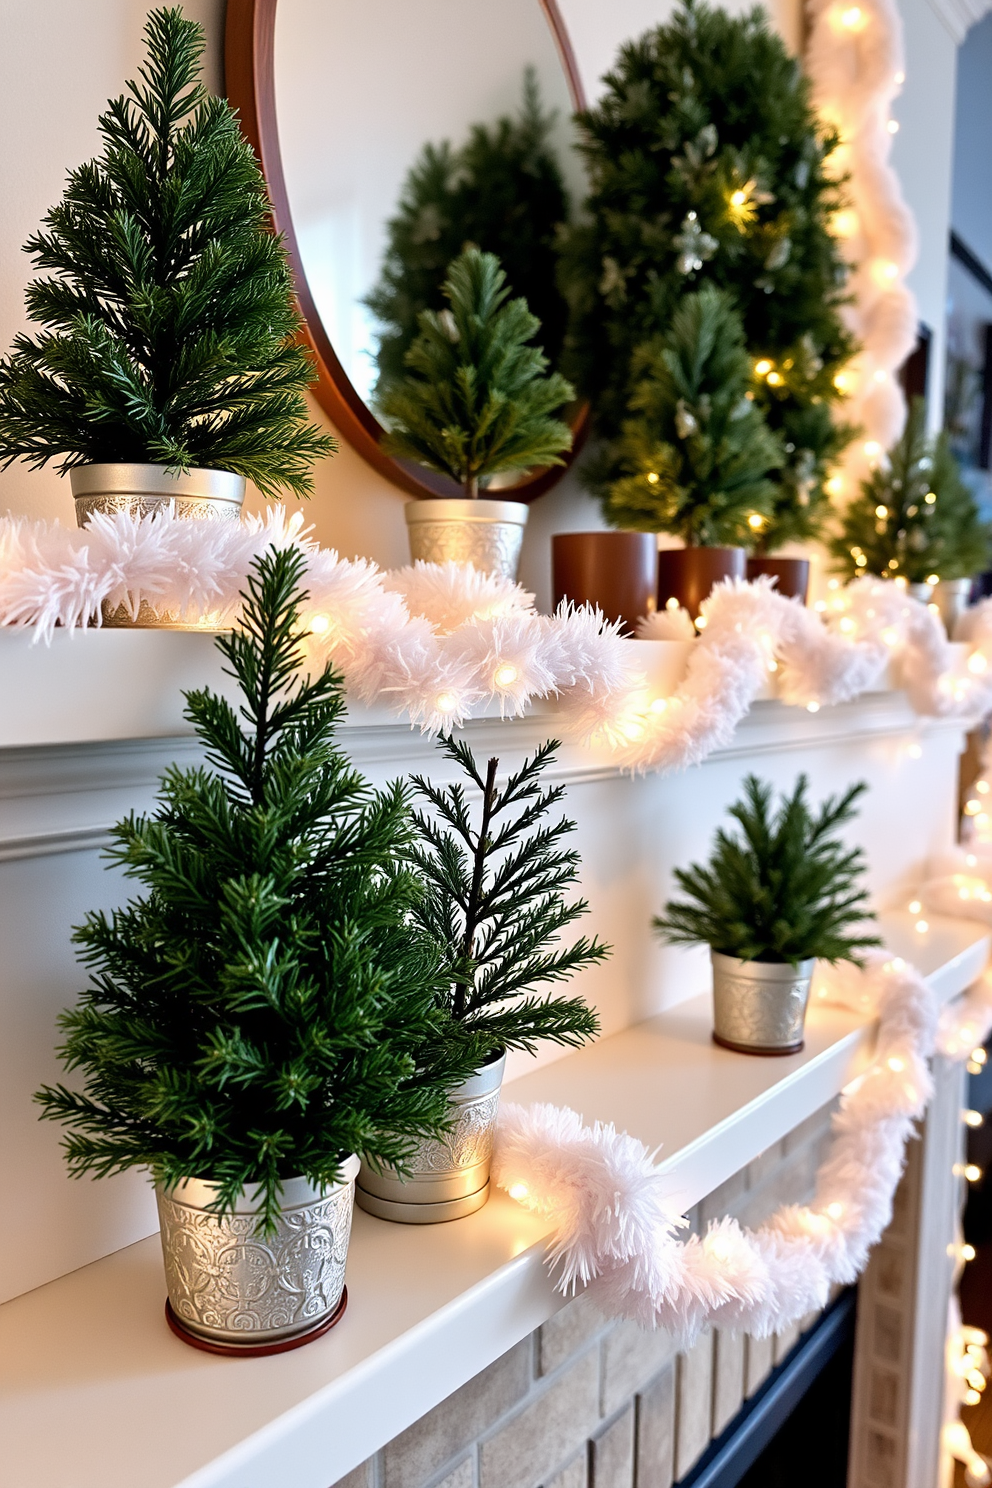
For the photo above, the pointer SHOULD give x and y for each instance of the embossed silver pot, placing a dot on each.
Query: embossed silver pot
(142, 490)
(486, 533)
(759, 1007)
(231, 1286)
(450, 1178)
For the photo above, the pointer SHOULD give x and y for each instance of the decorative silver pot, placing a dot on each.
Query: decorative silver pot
(142, 490)
(450, 1178)
(759, 1007)
(228, 1285)
(486, 533)
(951, 598)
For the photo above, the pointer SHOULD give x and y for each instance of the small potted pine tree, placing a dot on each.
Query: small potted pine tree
(167, 369)
(915, 519)
(695, 454)
(257, 1018)
(496, 900)
(477, 402)
(772, 900)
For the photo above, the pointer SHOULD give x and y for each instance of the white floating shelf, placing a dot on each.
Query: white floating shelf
(97, 1393)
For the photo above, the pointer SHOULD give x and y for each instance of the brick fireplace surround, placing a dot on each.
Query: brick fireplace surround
(586, 1403)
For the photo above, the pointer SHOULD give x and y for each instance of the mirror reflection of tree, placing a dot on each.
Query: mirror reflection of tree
(503, 192)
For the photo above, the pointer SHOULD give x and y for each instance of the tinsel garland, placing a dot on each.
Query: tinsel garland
(615, 1231)
(854, 59)
(436, 642)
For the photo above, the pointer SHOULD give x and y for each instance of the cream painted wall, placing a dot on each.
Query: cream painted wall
(60, 60)
(922, 154)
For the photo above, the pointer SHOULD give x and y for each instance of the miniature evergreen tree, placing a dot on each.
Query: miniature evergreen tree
(476, 401)
(694, 456)
(496, 898)
(168, 326)
(256, 1014)
(503, 192)
(785, 889)
(707, 163)
(914, 517)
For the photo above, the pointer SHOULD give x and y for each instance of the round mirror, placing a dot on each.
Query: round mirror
(392, 133)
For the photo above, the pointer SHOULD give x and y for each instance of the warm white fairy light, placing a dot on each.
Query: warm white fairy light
(973, 1118)
(505, 675)
(320, 624)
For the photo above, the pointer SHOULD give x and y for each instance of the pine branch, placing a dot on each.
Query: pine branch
(270, 1003)
(784, 890)
(914, 516)
(496, 897)
(695, 456)
(168, 328)
(476, 401)
(503, 191)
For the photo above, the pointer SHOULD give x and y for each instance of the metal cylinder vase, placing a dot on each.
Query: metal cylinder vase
(448, 1178)
(141, 491)
(951, 597)
(231, 1286)
(485, 533)
(759, 1007)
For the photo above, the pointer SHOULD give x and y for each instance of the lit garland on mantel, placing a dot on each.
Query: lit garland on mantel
(615, 1228)
(854, 59)
(438, 642)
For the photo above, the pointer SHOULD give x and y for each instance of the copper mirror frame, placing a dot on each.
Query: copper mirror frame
(249, 63)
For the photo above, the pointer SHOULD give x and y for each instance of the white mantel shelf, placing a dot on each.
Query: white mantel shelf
(97, 1393)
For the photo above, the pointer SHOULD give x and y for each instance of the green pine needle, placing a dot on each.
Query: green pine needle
(476, 401)
(501, 191)
(783, 889)
(261, 1010)
(496, 884)
(695, 455)
(707, 105)
(169, 333)
(914, 515)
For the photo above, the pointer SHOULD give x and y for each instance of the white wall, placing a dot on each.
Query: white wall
(60, 60)
(971, 203)
(922, 155)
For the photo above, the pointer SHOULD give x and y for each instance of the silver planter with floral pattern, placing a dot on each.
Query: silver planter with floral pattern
(759, 1007)
(141, 491)
(229, 1285)
(485, 533)
(448, 1178)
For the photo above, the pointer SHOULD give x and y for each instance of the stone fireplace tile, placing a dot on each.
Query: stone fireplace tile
(881, 1460)
(656, 1432)
(411, 1458)
(694, 1403)
(567, 1332)
(575, 1475)
(462, 1477)
(612, 1456)
(883, 1397)
(728, 1378)
(532, 1444)
(759, 1361)
(631, 1357)
(784, 1341)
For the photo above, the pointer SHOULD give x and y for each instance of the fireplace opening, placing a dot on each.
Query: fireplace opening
(798, 1424)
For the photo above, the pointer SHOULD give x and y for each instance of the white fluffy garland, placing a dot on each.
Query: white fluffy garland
(615, 1231)
(437, 641)
(854, 58)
